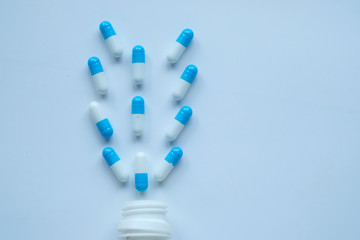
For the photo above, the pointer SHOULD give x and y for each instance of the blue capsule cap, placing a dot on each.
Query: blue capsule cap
(95, 65)
(107, 30)
(105, 128)
(174, 155)
(141, 181)
(138, 54)
(138, 105)
(185, 37)
(184, 115)
(110, 156)
(189, 73)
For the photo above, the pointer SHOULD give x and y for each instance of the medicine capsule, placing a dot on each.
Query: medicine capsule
(166, 166)
(185, 82)
(138, 64)
(182, 42)
(102, 123)
(179, 123)
(141, 176)
(99, 78)
(115, 164)
(138, 113)
(111, 39)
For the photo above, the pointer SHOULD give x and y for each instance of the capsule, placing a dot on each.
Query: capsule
(115, 164)
(102, 123)
(179, 123)
(99, 78)
(141, 176)
(111, 39)
(138, 64)
(138, 113)
(166, 166)
(185, 82)
(182, 42)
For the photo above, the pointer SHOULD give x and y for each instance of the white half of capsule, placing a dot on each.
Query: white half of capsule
(114, 45)
(120, 171)
(140, 163)
(138, 122)
(181, 89)
(174, 130)
(138, 72)
(163, 170)
(96, 112)
(176, 52)
(101, 82)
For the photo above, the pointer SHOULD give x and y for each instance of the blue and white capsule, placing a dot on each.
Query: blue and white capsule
(115, 164)
(138, 115)
(182, 42)
(185, 82)
(138, 64)
(165, 167)
(178, 123)
(97, 73)
(111, 39)
(141, 175)
(102, 122)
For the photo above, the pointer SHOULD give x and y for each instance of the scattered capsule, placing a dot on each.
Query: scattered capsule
(182, 42)
(166, 166)
(185, 82)
(111, 39)
(141, 176)
(179, 123)
(98, 75)
(138, 64)
(102, 123)
(115, 164)
(138, 113)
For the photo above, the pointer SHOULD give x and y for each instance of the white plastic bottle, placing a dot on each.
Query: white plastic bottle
(178, 123)
(97, 73)
(111, 39)
(144, 220)
(182, 42)
(166, 165)
(185, 82)
(138, 115)
(115, 164)
(138, 64)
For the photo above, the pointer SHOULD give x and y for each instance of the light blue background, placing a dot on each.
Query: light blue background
(272, 150)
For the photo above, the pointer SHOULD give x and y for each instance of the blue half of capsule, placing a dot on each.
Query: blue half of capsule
(138, 105)
(184, 115)
(138, 54)
(141, 181)
(174, 155)
(105, 128)
(110, 156)
(185, 37)
(106, 29)
(189, 73)
(95, 65)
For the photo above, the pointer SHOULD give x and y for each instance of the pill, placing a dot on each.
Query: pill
(185, 82)
(102, 123)
(115, 164)
(178, 123)
(97, 73)
(165, 167)
(138, 113)
(138, 64)
(182, 42)
(111, 39)
(141, 176)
